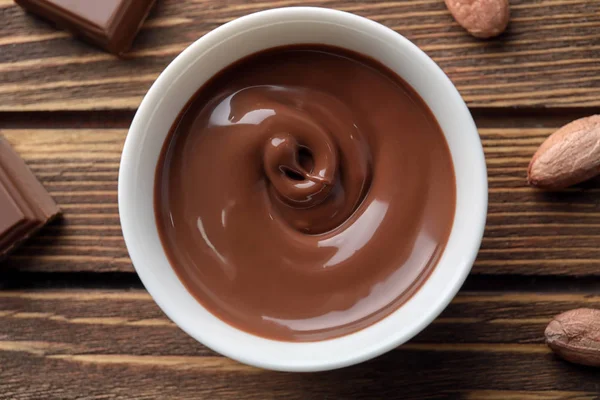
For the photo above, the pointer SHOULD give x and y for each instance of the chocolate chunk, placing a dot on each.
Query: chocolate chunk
(110, 24)
(25, 206)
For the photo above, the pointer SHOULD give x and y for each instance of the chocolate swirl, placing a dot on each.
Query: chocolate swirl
(309, 137)
(304, 194)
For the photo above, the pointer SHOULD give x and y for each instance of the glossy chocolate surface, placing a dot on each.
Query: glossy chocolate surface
(304, 193)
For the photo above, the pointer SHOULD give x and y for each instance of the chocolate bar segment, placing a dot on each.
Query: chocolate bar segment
(110, 24)
(25, 206)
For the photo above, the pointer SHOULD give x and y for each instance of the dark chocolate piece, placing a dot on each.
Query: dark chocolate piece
(110, 24)
(25, 206)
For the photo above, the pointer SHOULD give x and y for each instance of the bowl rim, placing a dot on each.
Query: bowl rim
(134, 145)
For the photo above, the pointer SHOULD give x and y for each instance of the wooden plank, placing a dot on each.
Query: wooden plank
(548, 57)
(122, 346)
(472, 321)
(528, 231)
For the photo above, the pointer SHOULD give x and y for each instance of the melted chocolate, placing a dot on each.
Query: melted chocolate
(304, 193)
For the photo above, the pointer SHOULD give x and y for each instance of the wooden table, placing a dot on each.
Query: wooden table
(75, 322)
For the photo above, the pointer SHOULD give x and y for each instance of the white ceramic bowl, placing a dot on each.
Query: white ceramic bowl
(220, 48)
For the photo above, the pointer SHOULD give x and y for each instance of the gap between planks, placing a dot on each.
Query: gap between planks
(535, 118)
(164, 322)
(126, 285)
(141, 295)
(42, 348)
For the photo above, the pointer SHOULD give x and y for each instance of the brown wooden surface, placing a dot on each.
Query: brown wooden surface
(75, 321)
(548, 57)
(122, 346)
(528, 232)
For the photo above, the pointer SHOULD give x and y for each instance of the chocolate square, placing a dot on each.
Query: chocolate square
(25, 205)
(110, 24)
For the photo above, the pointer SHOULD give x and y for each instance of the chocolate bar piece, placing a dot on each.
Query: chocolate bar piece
(110, 24)
(25, 206)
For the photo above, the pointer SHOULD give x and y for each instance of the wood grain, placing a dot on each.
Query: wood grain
(122, 346)
(528, 231)
(548, 57)
(116, 343)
